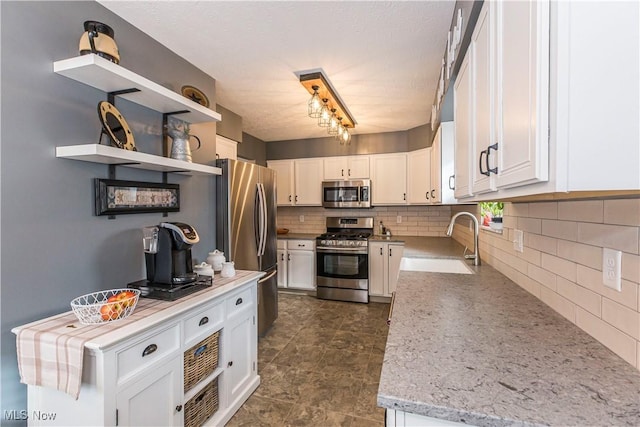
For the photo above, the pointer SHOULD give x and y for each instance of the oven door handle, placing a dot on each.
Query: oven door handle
(343, 250)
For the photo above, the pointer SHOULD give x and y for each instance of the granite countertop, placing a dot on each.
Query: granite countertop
(301, 236)
(479, 349)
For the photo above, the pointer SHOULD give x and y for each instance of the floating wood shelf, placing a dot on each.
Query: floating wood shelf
(107, 76)
(107, 155)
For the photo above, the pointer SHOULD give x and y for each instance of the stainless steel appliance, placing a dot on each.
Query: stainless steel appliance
(342, 259)
(346, 194)
(167, 253)
(246, 228)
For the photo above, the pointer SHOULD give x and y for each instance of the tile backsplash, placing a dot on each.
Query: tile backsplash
(562, 263)
(414, 220)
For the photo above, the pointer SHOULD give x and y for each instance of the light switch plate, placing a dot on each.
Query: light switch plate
(301, 218)
(399, 219)
(612, 269)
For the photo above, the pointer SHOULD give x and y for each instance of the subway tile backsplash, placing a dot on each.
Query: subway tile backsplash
(414, 220)
(562, 263)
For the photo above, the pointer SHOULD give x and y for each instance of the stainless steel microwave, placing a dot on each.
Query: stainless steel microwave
(346, 194)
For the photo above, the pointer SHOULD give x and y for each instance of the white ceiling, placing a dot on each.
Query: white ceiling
(382, 57)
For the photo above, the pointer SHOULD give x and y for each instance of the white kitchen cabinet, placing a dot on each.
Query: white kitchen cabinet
(548, 139)
(346, 167)
(483, 67)
(135, 375)
(298, 181)
(419, 188)
(281, 254)
(239, 337)
(389, 179)
(445, 141)
(462, 130)
(226, 148)
(308, 182)
(297, 259)
(384, 267)
(284, 181)
(504, 89)
(163, 386)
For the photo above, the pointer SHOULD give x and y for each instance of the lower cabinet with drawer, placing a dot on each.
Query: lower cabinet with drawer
(297, 264)
(195, 368)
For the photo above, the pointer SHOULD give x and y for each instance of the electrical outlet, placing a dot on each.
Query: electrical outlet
(399, 219)
(301, 218)
(612, 269)
(518, 240)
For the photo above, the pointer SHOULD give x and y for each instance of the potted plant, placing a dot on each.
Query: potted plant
(496, 215)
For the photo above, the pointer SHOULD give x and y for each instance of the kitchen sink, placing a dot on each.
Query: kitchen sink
(435, 265)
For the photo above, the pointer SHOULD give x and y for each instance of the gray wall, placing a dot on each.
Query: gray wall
(231, 124)
(420, 137)
(253, 148)
(375, 143)
(53, 247)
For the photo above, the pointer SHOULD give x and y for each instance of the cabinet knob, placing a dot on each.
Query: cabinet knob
(151, 348)
(178, 408)
(203, 321)
(230, 364)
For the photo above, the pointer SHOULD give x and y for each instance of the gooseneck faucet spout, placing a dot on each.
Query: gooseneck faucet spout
(476, 228)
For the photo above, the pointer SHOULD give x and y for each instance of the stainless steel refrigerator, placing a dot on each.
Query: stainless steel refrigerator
(246, 228)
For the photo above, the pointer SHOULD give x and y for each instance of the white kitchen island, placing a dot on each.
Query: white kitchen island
(134, 369)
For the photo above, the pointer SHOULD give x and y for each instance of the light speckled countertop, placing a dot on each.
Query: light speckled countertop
(481, 350)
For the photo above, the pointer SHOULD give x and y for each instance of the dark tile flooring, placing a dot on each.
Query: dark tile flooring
(319, 365)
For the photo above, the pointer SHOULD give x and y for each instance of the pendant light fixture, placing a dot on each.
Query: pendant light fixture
(325, 114)
(326, 106)
(315, 105)
(334, 123)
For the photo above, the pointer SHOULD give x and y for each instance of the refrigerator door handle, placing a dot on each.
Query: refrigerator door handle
(262, 209)
(257, 220)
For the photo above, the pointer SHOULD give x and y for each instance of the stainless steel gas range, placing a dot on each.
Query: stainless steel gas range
(342, 259)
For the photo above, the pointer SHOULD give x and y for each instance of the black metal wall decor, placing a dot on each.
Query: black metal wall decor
(113, 197)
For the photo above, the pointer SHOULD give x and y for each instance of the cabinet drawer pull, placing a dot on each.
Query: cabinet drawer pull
(389, 251)
(178, 408)
(230, 364)
(301, 245)
(404, 196)
(380, 251)
(289, 197)
(151, 348)
(349, 172)
(200, 350)
(282, 257)
(427, 195)
(433, 196)
(203, 321)
(452, 186)
(239, 301)
(342, 172)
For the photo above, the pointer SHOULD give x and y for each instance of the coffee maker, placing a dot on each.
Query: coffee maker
(167, 253)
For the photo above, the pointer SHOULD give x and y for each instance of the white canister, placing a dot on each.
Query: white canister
(203, 269)
(228, 269)
(216, 258)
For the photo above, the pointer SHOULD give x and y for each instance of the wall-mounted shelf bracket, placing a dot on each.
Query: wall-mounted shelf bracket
(111, 96)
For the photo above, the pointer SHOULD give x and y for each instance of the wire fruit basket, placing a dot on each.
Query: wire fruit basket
(105, 306)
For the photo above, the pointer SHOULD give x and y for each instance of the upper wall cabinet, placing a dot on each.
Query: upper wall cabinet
(346, 167)
(507, 97)
(389, 179)
(524, 103)
(298, 181)
(107, 76)
(419, 188)
(226, 148)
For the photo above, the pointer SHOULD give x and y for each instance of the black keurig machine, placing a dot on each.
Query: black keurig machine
(168, 253)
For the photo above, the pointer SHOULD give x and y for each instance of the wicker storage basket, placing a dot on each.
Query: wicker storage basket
(201, 360)
(202, 406)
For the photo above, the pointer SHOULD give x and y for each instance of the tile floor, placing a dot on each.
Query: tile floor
(319, 365)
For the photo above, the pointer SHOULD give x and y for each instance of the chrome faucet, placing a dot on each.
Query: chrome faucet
(476, 228)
